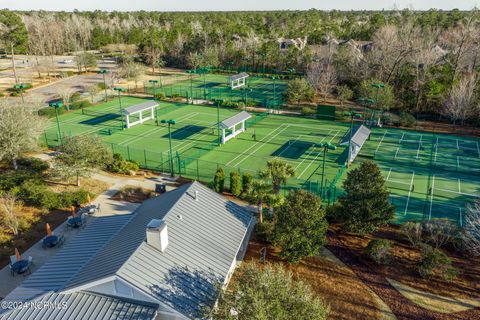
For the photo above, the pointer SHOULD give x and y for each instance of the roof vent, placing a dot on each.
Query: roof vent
(157, 234)
(196, 194)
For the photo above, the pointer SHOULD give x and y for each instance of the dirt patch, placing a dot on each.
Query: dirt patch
(93, 186)
(337, 285)
(35, 232)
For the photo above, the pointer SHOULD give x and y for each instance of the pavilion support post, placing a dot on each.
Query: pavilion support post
(128, 121)
(141, 117)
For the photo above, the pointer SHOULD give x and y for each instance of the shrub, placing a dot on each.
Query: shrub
(50, 112)
(380, 251)
(33, 164)
(119, 165)
(36, 194)
(435, 263)
(80, 104)
(235, 184)
(413, 231)
(247, 180)
(219, 180)
(407, 120)
(308, 110)
(440, 232)
(264, 231)
(102, 86)
(160, 96)
(68, 199)
(15, 178)
(75, 97)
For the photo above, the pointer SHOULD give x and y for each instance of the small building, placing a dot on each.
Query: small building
(357, 137)
(299, 43)
(238, 80)
(138, 111)
(229, 126)
(166, 260)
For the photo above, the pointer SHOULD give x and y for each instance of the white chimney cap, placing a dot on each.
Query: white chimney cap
(157, 234)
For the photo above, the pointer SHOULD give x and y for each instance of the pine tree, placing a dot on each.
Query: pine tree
(365, 205)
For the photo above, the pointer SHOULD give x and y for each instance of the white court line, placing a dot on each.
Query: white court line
(459, 189)
(155, 129)
(75, 118)
(262, 145)
(458, 162)
(388, 175)
(478, 149)
(395, 157)
(458, 147)
(401, 139)
(252, 146)
(436, 152)
(311, 151)
(419, 145)
(431, 198)
(311, 162)
(378, 146)
(409, 193)
(460, 218)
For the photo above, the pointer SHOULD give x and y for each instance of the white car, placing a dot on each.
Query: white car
(65, 61)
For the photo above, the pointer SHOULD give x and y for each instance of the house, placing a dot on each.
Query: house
(166, 260)
(358, 136)
(299, 43)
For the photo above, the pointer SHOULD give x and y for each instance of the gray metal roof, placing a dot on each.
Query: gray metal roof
(140, 107)
(77, 253)
(85, 305)
(236, 119)
(205, 236)
(359, 135)
(238, 76)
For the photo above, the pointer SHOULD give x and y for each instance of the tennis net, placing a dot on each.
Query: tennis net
(91, 113)
(399, 185)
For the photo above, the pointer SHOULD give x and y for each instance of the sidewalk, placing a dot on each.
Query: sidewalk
(107, 207)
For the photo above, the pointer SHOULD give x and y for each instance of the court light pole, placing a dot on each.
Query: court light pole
(245, 96)
(103, 72)
(170, 123)
(219, 101)
(274, 91)
(154, 83)
(352, 115)
(326, 146)
(56, 105)
(377, 86)
(191, 72)
(120, 90)
(20, 87)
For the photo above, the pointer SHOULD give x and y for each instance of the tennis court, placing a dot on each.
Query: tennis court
(259, 91)
(195, 149)
(429, 175)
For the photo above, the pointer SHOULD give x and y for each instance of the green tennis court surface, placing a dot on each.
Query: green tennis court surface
(261, 91)
(429, 175)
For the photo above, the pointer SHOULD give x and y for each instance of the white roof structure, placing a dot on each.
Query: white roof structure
(140, 107)
(236, 119)
(207, 235)
(360, 134)
(238, 76)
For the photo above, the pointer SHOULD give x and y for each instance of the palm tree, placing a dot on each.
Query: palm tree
(279, 171)
(260, 194)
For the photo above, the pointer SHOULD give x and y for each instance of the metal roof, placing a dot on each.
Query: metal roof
(84, 305)
(205, 235)
(359, 135)
(236, 119)
(140, 107)
(238, 76)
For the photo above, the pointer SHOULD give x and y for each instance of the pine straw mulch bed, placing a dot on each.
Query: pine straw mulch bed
(349, 249)
(347, 296)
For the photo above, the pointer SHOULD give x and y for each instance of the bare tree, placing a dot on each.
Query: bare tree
(153, 55)
(20, 128)
(460, 103)
(92, 89)
(322, 77)
(472, 228)
(65, 92)
(132, 71)
(9, 208)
